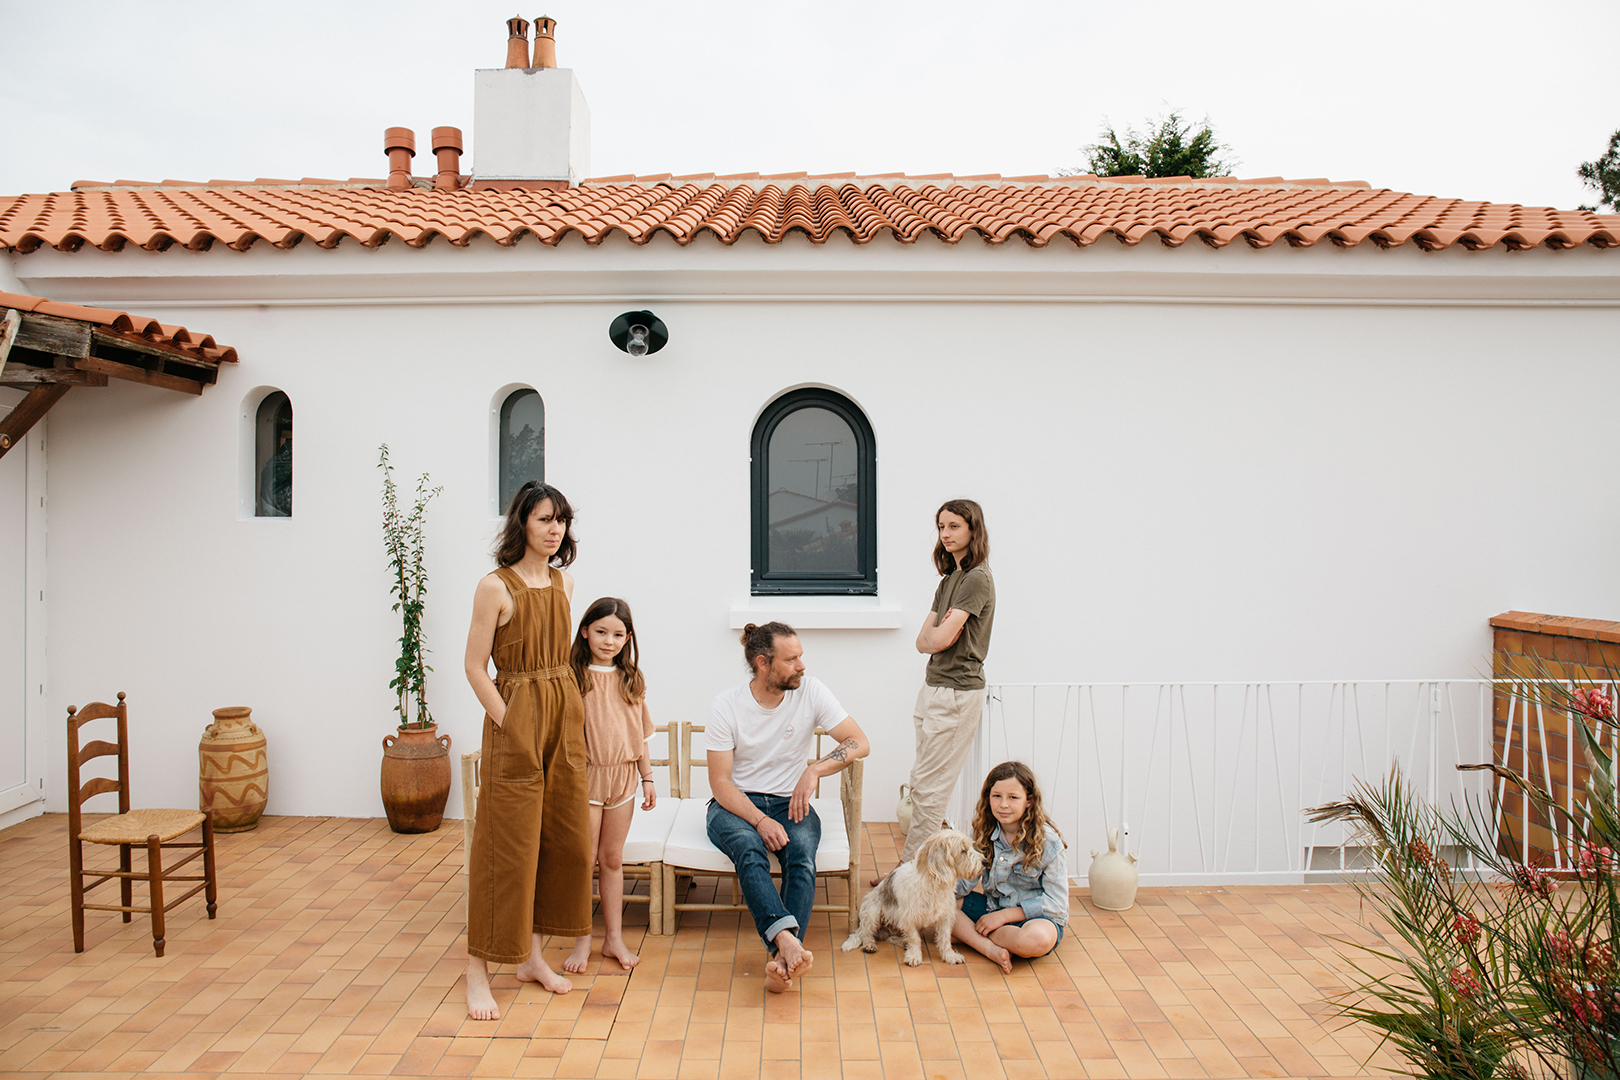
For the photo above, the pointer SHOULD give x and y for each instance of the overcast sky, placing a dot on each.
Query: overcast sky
(1472, 99)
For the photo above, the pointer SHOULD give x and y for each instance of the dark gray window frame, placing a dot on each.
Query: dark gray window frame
(505, 484)
(862, 582)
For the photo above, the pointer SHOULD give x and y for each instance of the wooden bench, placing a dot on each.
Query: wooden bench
(688, 850)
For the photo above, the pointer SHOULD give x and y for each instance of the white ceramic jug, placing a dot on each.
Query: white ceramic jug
(1113, 876)
(902, 813)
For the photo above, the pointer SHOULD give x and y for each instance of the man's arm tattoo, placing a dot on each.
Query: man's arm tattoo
(841, 751)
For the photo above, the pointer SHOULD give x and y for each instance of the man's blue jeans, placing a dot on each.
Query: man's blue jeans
(773, 911)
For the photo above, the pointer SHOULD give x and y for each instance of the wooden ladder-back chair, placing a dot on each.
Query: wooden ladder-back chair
(643, 848)
(689, 852)
(152, 829)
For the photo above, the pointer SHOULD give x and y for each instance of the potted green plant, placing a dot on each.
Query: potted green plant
(416, 760)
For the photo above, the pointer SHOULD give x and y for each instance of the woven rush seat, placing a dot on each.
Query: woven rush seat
(137, 825)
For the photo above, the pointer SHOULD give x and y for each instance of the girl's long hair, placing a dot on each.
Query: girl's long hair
(1032, 840)
(978, 552)
(631, 684)
(514, 539)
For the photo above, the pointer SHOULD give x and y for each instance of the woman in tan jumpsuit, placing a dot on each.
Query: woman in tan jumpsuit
(529, 873)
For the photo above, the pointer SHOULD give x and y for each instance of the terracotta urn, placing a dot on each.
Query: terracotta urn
(233, 770)
(1113, 876)
(415, 778)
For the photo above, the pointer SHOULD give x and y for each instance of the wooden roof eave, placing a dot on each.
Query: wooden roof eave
(48, 355)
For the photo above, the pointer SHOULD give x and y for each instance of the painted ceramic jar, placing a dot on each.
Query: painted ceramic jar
(233, 770)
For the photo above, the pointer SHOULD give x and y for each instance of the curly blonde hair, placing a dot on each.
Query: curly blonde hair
(1032, 839)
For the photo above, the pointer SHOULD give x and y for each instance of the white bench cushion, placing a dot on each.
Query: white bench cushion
(688, 846)
(649, 830)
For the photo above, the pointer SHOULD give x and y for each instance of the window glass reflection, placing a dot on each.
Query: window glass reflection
(523, 442)
(812, 494)
(272, 457)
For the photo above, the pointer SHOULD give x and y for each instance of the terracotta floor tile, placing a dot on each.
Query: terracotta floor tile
(339, 950)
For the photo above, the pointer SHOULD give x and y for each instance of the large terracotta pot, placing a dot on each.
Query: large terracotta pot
(233, 770)
(415, 778)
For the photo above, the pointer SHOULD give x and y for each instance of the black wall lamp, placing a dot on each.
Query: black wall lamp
(639, 333)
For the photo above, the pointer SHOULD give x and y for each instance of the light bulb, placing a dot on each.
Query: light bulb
(637, 345)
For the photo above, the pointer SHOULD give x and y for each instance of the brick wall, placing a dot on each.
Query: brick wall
(1528, 645)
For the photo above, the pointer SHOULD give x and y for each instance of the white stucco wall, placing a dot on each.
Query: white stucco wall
(1195, 464)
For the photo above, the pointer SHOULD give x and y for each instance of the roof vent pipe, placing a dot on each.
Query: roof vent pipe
(517, 42)
(399, 143)
(447, 148)
(545, 42)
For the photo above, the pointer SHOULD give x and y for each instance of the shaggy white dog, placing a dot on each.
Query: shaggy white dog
(918, 898)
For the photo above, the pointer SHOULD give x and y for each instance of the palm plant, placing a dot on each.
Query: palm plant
(1493, 977)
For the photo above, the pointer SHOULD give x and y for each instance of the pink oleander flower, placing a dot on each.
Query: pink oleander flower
(1464, 983)
(1595, 703)
(1467, 930)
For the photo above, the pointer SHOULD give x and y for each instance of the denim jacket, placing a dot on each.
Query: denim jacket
(1043, 893)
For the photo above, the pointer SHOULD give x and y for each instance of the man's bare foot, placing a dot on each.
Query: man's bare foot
(580, 959)
(616, 948)
(777, 980)
(795, 958)
(480, 1002)
(536, 970)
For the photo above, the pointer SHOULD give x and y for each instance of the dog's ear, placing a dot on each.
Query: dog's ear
(934, 860)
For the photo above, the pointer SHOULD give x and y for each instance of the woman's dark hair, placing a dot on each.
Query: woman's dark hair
(978, 552)
(631, 684)
(514, 539)
(1032, 839)
(761, 641)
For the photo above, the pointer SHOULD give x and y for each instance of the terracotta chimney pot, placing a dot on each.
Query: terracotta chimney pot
(545, 42)
(447, 148)
(517, 42)
(399, 143)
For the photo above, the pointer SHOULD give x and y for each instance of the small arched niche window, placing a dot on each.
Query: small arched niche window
(273, 457)
(522, 447)
(814, 497)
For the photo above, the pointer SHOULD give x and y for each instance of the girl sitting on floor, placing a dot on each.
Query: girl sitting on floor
(1024, 902)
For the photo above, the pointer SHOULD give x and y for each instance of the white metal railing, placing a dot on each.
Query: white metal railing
(1208, 782)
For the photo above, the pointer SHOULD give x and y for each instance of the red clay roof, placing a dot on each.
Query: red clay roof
(1037, 210)
(175, 339)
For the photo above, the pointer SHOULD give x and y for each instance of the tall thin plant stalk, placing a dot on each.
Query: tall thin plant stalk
(403, 537)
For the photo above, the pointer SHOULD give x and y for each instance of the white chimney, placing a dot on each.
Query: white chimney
(530, 124)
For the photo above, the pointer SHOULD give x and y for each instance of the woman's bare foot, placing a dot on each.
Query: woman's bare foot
(615, 947)
(536, 970)
(480, 1002)
(580, 958)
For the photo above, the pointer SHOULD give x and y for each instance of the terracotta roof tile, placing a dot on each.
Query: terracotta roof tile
(135, 328)
(1038, 211)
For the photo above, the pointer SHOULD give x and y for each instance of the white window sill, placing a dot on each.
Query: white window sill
(818, 612)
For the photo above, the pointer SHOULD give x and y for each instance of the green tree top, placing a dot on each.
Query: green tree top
(1603, 176)
(1174, 147)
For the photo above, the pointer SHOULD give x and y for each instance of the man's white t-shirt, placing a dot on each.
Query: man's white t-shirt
(771, 747)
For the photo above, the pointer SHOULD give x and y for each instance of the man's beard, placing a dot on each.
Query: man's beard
(789, 682)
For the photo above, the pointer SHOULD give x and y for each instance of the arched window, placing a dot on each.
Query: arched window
(814, 504)
(522, 442)
(273, 457)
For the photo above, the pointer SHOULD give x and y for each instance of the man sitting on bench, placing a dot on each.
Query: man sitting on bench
(759, 736)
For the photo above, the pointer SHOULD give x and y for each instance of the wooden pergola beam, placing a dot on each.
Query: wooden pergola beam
(15, 424)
